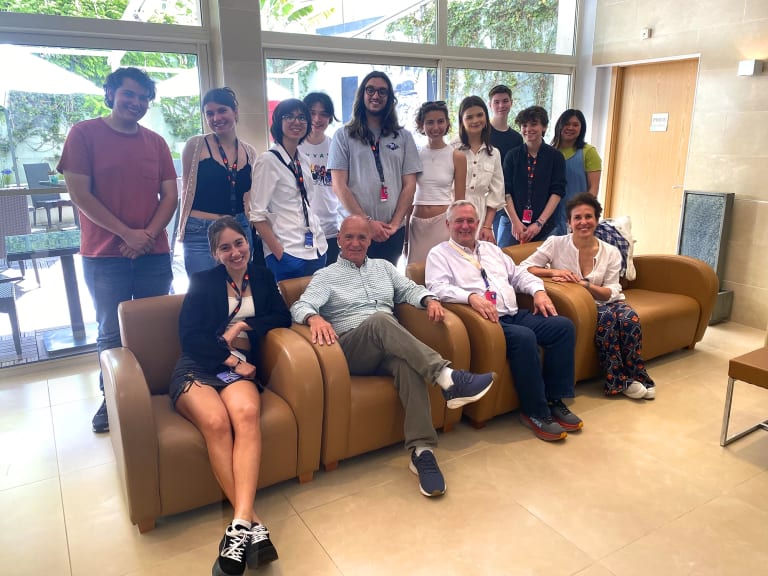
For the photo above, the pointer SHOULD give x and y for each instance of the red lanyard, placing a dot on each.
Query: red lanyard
(231, 172)
(531, 175)
(238, 293)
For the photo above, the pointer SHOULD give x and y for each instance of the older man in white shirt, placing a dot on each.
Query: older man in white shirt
(470, 271)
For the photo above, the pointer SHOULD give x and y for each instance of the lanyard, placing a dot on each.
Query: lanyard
(295, 168)
(231, 172)
(238, 294)
(474, 261)
(377, 159)
(531, 174)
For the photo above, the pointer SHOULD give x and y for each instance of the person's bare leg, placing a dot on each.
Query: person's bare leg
(243, 403)
(203, 406)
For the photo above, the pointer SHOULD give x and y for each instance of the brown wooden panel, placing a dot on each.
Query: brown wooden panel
(647, 169)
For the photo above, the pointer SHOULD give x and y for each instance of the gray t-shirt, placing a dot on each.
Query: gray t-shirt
(399, 157)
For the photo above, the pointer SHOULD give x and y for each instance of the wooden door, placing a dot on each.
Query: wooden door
(646, 168)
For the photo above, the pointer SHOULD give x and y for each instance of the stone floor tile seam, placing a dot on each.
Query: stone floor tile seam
(319, 543)
(340, 497)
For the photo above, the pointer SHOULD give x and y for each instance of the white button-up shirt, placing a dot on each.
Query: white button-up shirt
(454, 278)
(485, 179)
(275, 198)
(559, 252)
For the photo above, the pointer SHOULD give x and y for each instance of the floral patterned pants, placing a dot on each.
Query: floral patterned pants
(619, 340)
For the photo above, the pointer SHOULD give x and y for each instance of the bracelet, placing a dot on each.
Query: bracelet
(540, 223)
(488, 228)
(369, 218)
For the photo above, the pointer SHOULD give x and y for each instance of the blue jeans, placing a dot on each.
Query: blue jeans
(292, 267)
(497, 222)
(114, 280)
(197, 250)
(505, 237)
(535, 384)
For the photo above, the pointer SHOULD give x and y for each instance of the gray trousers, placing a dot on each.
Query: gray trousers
(380, 345)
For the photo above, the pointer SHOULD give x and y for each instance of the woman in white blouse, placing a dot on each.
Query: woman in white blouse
(583, 259)
(294, 241)
(485, 178)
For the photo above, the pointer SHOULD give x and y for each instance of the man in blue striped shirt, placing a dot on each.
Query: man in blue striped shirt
(352, 302)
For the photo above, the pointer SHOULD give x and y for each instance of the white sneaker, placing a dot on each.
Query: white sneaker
(636, 390)
(650, 393)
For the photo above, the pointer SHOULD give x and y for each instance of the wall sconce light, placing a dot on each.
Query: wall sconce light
(749, 67)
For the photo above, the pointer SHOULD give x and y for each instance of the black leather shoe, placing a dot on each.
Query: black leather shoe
(101, 419)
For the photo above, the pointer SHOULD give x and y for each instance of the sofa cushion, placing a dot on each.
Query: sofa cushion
(668, 320)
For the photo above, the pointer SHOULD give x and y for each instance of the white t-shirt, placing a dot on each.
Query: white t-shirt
(323, 201)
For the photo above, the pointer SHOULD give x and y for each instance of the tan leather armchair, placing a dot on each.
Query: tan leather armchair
(161, 456)
(364, 413)
(673, 296)
(489, 354)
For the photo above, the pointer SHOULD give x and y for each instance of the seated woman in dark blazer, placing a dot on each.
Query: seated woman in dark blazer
(225, 315)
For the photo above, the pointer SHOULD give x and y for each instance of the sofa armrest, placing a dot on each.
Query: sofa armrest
(133, 433)
(677, 274)
(291, 371)
(576, 304)
(337, 397)
(448, 338)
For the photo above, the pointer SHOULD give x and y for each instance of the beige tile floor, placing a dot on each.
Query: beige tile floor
(645, 488)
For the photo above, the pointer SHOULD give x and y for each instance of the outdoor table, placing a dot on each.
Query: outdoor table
(64, 245)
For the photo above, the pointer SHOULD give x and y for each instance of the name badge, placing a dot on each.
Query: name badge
(527, 216)
(383, 194)
(490, 295)
(309, 241)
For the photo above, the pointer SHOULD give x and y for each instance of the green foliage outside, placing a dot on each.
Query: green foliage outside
(41, 121)
(518, 25)
(177, 12)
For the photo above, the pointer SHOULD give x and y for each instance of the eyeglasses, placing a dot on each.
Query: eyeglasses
(382, 92)
(301, 119)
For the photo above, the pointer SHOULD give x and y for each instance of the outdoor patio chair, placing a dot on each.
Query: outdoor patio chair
(8, 306)
(37, 173)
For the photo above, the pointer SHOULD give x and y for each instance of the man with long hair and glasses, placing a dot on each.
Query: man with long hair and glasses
(374, 163)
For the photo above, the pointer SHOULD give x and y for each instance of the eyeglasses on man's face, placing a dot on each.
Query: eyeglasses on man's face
(382, 92)
(300, 118)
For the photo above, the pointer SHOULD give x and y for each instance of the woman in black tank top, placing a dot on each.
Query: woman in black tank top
(217, 179)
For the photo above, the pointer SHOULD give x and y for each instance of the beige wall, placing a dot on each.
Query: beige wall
(729, 139)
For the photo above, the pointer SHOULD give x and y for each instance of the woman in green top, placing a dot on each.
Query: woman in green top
(582, 162)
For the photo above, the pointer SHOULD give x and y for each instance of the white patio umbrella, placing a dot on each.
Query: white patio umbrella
(24, 72)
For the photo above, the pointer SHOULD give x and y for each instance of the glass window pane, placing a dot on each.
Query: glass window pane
(528, 89)
(157, 11)
(398, 20)
(43, 92)
(296, 78)
(544, 26)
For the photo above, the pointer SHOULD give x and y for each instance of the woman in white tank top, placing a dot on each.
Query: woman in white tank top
(442, 180)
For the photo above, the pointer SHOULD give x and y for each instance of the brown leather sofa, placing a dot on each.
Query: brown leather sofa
(673, 296)
(364, 413)
(161, 457)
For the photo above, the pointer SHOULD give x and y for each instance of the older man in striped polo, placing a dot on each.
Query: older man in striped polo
(352, 302)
